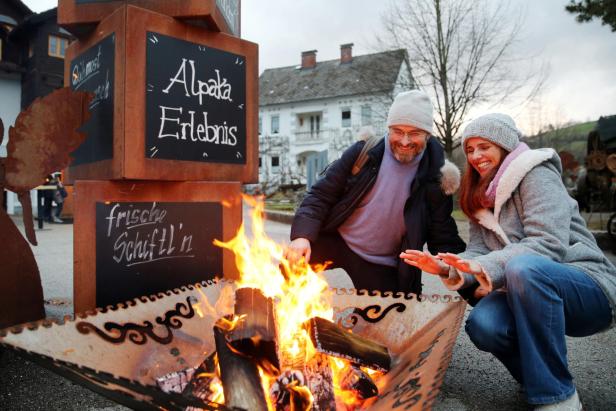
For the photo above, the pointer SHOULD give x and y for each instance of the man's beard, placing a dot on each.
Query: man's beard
(406, 156)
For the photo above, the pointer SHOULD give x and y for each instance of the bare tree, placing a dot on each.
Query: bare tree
(462, 53)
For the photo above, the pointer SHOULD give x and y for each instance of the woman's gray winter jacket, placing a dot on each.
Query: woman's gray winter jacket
(534, 214)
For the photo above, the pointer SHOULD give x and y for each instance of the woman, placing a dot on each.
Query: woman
(532, 263)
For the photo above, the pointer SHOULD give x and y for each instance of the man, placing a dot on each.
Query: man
(400, 199)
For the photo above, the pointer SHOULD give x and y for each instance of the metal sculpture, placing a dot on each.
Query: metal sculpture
(123, 360)
(39, 143)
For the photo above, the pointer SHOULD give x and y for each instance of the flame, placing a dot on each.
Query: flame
(303, 294)
(300, 293)
(217, 394)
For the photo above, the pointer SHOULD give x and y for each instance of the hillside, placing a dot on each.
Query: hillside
(572, 139)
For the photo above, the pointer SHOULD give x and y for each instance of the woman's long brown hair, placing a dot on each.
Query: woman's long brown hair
(473, 189)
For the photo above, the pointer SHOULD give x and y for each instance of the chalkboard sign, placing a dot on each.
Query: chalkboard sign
(93, 70)
(144, 248)
(195, 102)
(230, 9)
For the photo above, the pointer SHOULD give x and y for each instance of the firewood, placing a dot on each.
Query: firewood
(330, 339)
(255, 333)
(240, 376)
(289, 392)
(356, 380)
(204, 377)
(319, 380)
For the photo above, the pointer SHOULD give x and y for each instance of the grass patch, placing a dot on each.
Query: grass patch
(459, 215)
(280, 207)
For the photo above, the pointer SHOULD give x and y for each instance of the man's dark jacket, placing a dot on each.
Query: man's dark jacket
(427, 211)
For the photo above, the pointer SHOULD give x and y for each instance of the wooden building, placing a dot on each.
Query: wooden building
(32, 51)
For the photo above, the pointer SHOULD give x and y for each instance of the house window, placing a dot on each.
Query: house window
(260, 162)
(366, 115)
(30, 50)
(275, 124)
(260, 124)
(346, 118)
(275, 161)
(57, 46)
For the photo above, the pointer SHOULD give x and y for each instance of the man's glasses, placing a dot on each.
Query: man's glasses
(413, 135)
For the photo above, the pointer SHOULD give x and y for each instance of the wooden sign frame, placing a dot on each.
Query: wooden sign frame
(81, 19)
(130, 26)
(89, 193)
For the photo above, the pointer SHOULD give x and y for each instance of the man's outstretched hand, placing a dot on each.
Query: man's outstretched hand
(300, 247)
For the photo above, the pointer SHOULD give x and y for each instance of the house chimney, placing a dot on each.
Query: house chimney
(346, 53)
(309, 59)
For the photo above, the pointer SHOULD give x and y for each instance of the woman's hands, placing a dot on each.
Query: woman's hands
(467, 266)
(425, 262)
(470, 267)
(440, 265)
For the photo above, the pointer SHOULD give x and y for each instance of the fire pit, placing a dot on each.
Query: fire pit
(276, 339)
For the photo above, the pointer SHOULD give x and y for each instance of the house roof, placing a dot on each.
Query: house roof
(366, 74)
(19, 5)
(32, 21)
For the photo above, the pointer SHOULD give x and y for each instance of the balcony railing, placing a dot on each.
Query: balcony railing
(315, 136)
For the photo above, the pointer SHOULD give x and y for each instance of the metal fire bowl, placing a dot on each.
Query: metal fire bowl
(120, 351)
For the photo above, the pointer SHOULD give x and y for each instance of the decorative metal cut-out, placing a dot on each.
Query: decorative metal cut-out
(371, 313)
(139, 334)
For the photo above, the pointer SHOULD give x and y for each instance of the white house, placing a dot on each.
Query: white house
(310, 113)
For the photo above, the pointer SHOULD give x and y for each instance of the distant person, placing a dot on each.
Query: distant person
(400, 198)
(535, 269)
(48, 196)
(59, 196)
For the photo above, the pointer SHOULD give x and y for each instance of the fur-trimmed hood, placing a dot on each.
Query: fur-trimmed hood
(509, 182)
(450, 178)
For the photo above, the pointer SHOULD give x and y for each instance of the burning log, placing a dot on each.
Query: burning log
(195, 383)
(359, 382)
(205, 380)
(289, 392)
(318, 374)
(330, 339)
(255, 333)
(313, 375)
(240, 376)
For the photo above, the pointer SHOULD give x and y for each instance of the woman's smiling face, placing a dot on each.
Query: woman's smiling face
(483, 155)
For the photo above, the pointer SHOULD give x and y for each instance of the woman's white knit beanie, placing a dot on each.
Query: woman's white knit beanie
(411, 108)
(497, 128)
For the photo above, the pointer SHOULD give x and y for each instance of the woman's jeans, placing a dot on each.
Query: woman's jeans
(525, 326)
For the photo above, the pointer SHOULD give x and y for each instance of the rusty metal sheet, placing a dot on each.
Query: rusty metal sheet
(43, 137)
(39, 143)
(414, 383)
(21, 292)
(121, 351)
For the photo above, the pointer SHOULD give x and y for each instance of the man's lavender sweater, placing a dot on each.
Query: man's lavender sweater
(375, 229)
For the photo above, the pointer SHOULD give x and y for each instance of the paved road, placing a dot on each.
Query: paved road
(474, 381)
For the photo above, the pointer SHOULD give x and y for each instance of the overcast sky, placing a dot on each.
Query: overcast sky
(582, 57)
